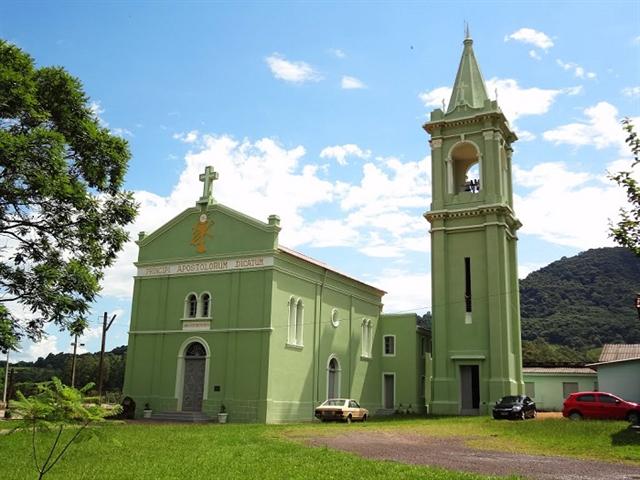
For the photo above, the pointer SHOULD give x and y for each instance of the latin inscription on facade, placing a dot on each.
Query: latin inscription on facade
(196, 325)
(205, 267)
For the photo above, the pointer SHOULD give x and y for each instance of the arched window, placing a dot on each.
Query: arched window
(291, 322)
(196, 349)
(191, 306)
(367, 338)
(333, 378)
(299, 322)
(464, 168)
(205, 305)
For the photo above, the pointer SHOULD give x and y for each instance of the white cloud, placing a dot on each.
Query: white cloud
(337, 53)
(601, 128)
(525, 135)
(188, 137)
(578, 70)
(407, 291)
(96, 107)
(258, 178)
(97, 110)
(565, 207)
(48, 344)
(294, 72)
(122, 132)
(631, 91)
(437, 97)
(535, 55)
(341, 152)
(577, 90)
(351, 83)
(514, 100)
(381, 213)
(525, 269)
(531, 37)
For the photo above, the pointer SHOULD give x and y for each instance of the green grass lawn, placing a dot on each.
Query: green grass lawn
(233, 451)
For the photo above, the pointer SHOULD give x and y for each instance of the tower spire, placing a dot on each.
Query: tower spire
(469, 88)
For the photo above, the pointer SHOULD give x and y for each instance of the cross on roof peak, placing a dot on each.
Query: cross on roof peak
(207, 178)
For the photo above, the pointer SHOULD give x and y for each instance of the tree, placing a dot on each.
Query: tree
(62, 206)
(53, 408)
(627, 231)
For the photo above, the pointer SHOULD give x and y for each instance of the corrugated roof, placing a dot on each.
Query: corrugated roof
(614, 352)
(559, 370)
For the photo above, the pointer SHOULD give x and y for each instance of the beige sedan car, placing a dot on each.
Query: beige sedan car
(341, 410)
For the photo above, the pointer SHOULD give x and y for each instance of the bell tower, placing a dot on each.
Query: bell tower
(477, 354)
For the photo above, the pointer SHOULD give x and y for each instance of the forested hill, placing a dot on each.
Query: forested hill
(582, 302)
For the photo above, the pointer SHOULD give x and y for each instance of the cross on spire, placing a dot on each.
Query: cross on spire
(207, 178)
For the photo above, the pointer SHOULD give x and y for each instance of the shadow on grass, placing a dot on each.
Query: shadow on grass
(627, 436)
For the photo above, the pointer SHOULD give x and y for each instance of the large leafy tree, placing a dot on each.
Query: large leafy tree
(62, 205)
(626, 231)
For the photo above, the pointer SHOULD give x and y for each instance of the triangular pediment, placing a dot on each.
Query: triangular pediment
(217, 231)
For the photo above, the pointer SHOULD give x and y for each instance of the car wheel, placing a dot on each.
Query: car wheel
(575, 416)
(348, 420)
(364, 417)
(522, 415)
(634, 418)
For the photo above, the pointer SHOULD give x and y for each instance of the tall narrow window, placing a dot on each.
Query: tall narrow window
(292, 321)
(299, 322)
(389, 345)
(366, 338)
(205, 302)
(467, 289)
(192, 306)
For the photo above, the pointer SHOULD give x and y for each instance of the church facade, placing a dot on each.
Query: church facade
(222, 314)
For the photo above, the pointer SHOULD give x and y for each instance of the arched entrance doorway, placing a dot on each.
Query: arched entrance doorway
(333, 378)
(194, 375)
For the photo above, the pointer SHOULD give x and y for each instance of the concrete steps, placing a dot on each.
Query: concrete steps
(184, 417)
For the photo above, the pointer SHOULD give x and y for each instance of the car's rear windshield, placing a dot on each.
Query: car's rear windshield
(335, 402)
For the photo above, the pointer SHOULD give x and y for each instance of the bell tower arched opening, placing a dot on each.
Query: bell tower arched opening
(464, 174)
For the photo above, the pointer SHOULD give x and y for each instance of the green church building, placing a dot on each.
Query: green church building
(222, 314)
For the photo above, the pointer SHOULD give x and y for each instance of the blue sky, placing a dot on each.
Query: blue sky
(314, 112)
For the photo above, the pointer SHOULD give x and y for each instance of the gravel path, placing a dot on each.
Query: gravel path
(452, 454)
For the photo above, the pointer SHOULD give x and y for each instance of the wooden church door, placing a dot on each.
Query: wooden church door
(194, 367)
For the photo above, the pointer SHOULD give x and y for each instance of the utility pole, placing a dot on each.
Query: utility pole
(6, 381)
(105, 328)
(73, 360)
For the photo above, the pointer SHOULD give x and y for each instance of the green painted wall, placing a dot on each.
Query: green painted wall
(621, 379)
(479, 225)
(548, 390)
(407, 364)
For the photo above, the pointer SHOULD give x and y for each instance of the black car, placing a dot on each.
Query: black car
(517, 407)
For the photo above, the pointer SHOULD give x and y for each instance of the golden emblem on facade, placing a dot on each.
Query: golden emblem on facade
(200, 233)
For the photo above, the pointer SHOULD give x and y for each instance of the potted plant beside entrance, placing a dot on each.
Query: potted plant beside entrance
(147, 411)
(222, 415)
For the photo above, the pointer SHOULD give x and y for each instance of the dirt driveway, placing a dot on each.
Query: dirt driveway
(453, 454)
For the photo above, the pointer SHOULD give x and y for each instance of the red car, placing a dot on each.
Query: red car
(600, 405)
